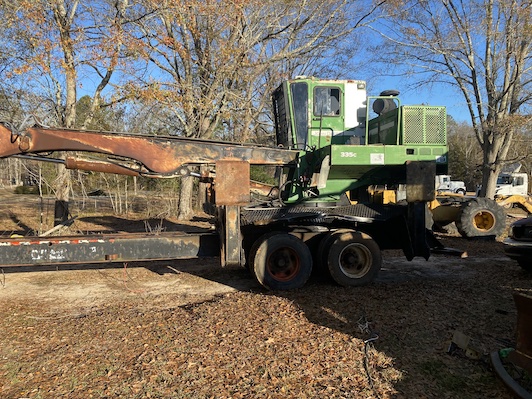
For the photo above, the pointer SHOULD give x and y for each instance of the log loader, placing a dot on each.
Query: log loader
(331, 138)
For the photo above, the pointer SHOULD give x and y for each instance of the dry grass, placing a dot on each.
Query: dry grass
(309, 343)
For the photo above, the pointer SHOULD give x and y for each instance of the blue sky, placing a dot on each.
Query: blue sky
(455, 104)
(437, 95)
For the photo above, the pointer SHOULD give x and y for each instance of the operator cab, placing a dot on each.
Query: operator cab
(313, 113)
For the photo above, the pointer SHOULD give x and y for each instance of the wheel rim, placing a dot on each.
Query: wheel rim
(283, 264)
(484, 220)
(355, 260)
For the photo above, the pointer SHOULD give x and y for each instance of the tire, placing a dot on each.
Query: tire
(461, 191)
(481, 217)
(526, 264)
(280, 261)
(354, 259)
(323, 248)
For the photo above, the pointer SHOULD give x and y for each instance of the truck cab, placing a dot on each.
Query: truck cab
(512, 184)
(445, 183)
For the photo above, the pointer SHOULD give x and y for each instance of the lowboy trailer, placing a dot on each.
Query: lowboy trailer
(331, 139)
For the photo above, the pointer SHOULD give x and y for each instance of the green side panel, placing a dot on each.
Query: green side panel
(358, 156)
(418, 124)
(353, 166)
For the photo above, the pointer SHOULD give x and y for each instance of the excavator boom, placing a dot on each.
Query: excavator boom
(157, 154)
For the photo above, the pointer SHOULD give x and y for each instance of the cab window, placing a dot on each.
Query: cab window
(300, 104)
(326, 101)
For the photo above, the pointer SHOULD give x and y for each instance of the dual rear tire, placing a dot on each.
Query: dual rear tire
(351, 258)
(281, 261)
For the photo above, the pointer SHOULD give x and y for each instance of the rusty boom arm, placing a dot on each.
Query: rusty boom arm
(155, 155)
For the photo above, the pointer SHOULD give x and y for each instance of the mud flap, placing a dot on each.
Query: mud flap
(420, 178)
(417, 230)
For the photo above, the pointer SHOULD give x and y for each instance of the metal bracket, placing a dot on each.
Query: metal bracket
(230, 236)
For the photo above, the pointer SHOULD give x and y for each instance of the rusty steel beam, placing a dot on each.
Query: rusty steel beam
(521, 356)
(34, 251)
(230, 236)
(158, 154)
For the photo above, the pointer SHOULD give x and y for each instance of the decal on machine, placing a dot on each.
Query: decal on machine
(377, 159)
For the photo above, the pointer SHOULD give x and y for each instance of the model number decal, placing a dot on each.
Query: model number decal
(348, 154)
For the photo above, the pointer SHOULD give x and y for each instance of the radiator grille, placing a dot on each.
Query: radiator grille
(424, 125)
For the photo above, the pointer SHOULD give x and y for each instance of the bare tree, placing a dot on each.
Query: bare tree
(57, 45)
(483, 49)
(465, 156)
(213, 64)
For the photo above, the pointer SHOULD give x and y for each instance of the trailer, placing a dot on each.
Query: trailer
(331, 138)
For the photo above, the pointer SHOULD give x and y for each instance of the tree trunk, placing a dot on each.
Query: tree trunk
(61, 211)
(185, 211)
(495, 149)
(202, 191)
(489, 182)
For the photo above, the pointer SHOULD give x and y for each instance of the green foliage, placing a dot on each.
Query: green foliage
(263, 174)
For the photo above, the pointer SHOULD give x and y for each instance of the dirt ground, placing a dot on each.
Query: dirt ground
(190, 329)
